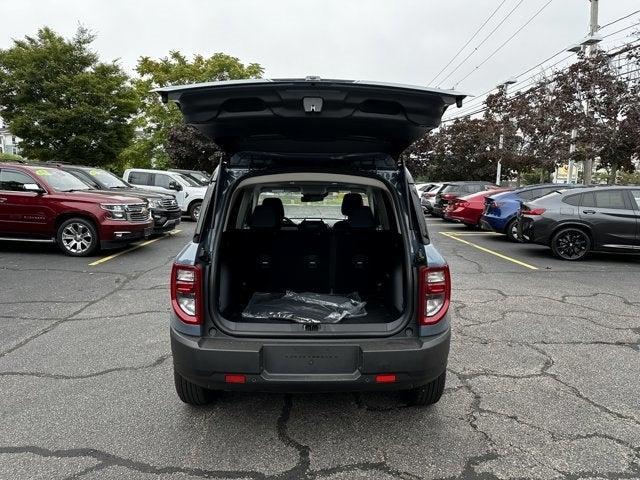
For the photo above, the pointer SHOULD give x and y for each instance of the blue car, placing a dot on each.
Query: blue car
(501, 210)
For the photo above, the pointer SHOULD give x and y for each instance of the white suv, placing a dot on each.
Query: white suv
(187, 191)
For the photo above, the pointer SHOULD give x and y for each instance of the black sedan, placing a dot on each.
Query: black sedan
(576, 223)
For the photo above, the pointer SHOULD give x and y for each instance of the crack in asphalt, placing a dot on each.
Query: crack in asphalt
(302, 468)
(58, 376)
(120, 285)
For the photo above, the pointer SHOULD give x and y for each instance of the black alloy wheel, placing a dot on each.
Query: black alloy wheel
(571, 244)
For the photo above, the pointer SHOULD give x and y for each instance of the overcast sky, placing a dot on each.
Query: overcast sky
(406, 41)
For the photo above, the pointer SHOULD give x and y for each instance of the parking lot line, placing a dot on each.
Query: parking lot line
(488, 250)
(131, 249)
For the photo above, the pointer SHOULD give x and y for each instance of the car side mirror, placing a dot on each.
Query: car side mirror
(175, 186)
(32, 187)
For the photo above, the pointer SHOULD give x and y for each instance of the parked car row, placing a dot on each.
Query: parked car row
(85, 208)
(572, 220)
(574, 223)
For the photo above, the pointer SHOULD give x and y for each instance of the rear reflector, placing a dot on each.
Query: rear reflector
(386, 378)
(235, 378)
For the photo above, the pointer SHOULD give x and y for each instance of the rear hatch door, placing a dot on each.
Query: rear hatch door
(311, 116)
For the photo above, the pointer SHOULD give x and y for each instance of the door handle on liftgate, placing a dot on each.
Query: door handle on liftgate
(2, 199)
(589, 212)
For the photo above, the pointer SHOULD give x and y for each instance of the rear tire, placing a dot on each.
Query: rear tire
(427, 394)
(194, 210)
(512, 231)
(191, 393)
(571, 244)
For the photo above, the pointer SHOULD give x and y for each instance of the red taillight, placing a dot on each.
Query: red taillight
(386, 378)
(235, 378)
(435, 294)
(534, 211)
(186, 293)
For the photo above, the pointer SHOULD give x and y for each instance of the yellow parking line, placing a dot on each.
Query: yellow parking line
(492, 252)
(457, 234)
(135, 247)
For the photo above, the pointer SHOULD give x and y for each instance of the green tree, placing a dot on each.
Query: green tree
(604, 109)
(62, 101)
(166, 141)
(462, 150)
(9, 157)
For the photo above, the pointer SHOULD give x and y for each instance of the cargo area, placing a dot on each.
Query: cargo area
(338, 240)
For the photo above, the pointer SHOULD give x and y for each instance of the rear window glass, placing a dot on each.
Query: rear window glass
(328, 209)
(451, 188)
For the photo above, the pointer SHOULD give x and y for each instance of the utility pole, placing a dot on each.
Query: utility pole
(593, 28)
(505, 85)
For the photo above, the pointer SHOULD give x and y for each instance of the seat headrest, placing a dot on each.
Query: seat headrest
(263, 217)
(276, 205)
(361, 217)
(350, 202)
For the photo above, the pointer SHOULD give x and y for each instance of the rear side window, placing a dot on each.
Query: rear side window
(572, 200)
(141, 178)
(14, 181)
(610, 199)
(636, 196)
(589, 200)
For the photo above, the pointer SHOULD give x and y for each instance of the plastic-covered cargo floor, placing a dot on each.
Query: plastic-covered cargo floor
(305, 307)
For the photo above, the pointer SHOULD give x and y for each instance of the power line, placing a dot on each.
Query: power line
(483, 41)
(622, 30)
(519, 85)
(502, 45)
(469, 41)
(619, 19)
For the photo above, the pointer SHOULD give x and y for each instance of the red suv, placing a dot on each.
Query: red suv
(41, 203)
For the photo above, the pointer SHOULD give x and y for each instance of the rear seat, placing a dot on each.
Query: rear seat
(271, 259)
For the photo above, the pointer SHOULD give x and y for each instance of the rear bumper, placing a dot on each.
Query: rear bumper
(414, 361)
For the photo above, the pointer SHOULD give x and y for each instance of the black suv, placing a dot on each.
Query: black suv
(165, 212)
(576, 223)
(311, 267)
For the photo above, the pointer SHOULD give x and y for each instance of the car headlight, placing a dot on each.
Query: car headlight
(153, 203)
(115, 212)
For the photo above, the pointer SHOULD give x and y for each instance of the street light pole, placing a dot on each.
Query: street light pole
(505, 84)
(593, 28)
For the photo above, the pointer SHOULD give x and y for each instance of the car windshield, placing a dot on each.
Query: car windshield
(190, 181)
(199, 177)
(328, 209)
(107, 179)
(60, 181)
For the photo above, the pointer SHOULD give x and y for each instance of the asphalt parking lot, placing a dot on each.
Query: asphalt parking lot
(543, 378)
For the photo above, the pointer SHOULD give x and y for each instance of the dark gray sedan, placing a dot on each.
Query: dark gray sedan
(576, 223)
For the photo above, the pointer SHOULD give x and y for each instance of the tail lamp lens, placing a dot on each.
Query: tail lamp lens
(435, 294)
(534, 211)
(186, 293)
